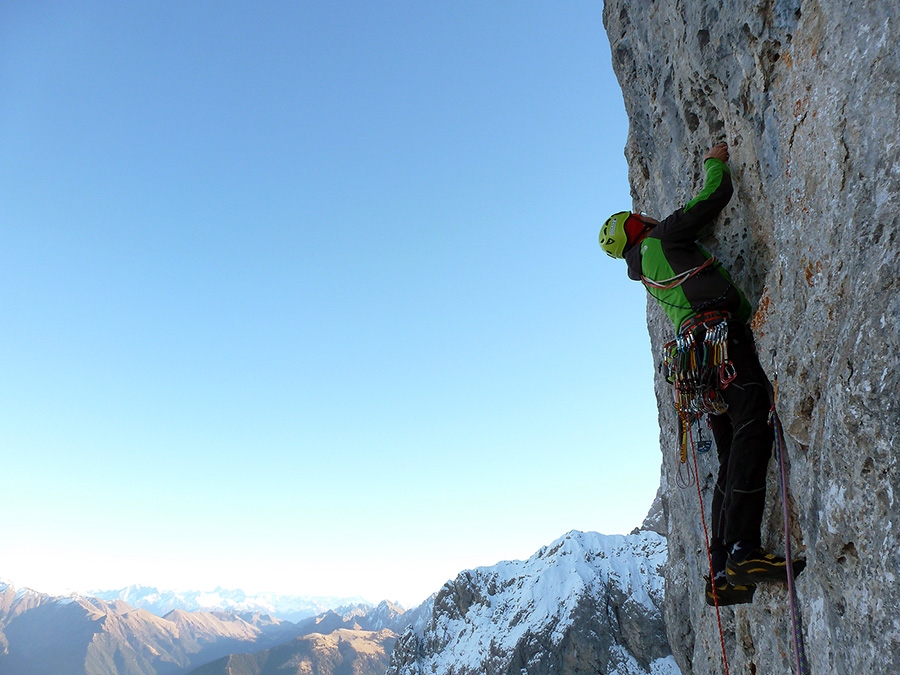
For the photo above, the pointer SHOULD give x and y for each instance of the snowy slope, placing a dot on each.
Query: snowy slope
(588, 603)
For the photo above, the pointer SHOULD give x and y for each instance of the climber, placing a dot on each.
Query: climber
(697, 294)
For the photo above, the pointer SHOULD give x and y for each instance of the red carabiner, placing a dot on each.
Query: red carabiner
(727, 373)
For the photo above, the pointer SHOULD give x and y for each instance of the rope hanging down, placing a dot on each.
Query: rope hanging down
(796, 620)
(715, 593)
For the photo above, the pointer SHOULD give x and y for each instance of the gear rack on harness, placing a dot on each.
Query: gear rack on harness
(698, 367)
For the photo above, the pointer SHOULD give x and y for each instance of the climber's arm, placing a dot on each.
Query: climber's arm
(688, 223)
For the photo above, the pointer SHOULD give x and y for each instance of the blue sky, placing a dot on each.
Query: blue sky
(306, 297)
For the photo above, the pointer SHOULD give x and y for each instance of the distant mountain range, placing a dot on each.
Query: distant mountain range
(79, 635)
(42, 635)
(357, 641)
(285, 607)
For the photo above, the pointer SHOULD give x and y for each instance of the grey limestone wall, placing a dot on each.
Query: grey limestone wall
(807, 93)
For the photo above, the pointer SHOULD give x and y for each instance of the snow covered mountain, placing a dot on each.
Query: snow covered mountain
(588, 603)
(285, 607)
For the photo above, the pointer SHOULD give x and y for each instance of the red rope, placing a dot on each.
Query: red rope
(712, 578)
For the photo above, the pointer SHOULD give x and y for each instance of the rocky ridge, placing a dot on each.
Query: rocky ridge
(807, 93)
(341, 652)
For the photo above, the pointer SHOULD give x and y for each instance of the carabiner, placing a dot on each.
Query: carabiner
(727, 373)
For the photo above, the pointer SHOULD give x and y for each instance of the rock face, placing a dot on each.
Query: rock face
(807, 93)
(585, 604)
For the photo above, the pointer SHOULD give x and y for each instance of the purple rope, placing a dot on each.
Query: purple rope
(799, 651)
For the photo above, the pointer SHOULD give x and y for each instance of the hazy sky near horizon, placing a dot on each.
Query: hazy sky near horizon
(306, 297)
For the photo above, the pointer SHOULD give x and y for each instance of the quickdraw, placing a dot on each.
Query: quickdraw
(698, 367)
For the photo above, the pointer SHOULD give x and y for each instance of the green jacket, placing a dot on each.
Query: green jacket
(671, 249)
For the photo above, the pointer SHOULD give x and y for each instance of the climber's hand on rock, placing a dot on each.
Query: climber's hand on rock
(718, 151)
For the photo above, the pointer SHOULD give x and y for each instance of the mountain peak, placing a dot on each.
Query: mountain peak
(584, 603)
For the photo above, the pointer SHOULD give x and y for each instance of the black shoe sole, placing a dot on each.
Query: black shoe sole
(729, 595)
(733, 595)
(752, 572)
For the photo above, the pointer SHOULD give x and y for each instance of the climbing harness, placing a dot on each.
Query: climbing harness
(698, 367)
(796, 620)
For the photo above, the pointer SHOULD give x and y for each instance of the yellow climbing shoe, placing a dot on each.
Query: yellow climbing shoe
(759, 566)
(728, 594)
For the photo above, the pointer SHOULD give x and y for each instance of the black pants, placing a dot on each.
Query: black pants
(744, 445)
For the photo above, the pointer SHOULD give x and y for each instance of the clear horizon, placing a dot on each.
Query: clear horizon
(307, 298)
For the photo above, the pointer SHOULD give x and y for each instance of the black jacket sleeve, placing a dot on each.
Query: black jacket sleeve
(687, 224)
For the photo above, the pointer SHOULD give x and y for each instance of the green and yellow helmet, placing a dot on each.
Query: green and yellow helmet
(612, 235)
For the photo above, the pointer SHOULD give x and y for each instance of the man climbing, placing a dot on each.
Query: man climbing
(710, 316)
